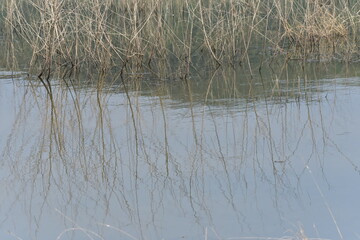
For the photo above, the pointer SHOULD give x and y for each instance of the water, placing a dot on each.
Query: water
(224, 156)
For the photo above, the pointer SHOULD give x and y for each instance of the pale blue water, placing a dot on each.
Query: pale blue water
(170, 168)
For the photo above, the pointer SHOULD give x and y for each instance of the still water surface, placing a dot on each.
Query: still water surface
(224, 156)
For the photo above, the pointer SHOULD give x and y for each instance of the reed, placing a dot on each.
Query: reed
(169, 38)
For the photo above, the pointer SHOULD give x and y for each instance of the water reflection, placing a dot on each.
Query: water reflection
(226, 155)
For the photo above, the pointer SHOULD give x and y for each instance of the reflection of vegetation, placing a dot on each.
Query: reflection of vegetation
(167, 37)
(126, 147)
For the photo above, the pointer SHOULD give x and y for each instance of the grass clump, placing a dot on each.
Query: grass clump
(323, 32)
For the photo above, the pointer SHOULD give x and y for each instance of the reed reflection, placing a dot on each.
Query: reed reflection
(121, 159)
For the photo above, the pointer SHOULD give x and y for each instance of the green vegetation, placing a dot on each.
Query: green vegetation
(169, 38)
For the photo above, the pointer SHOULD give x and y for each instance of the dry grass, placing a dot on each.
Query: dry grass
(172, 37)
(323, 32)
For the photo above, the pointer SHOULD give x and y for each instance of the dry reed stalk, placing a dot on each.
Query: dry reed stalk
(173, 36)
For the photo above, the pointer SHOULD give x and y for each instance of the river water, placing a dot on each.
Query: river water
(223, 155)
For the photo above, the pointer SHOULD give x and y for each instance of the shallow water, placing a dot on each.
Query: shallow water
(225, 156)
